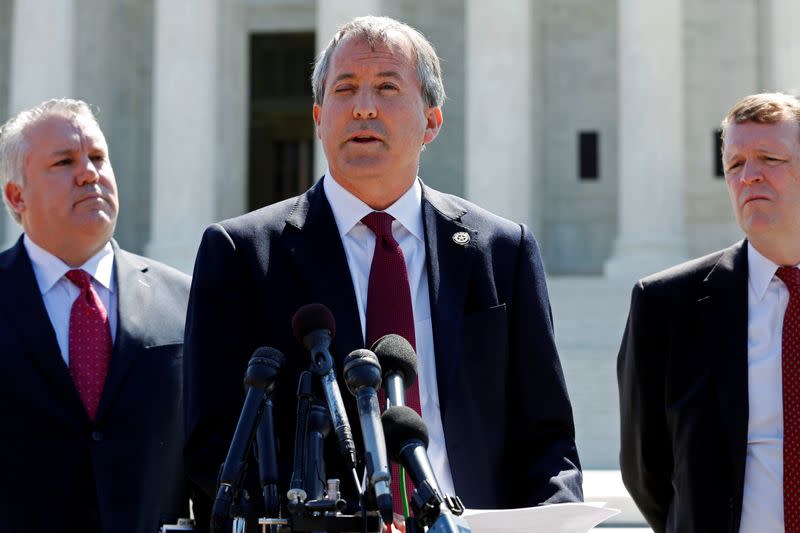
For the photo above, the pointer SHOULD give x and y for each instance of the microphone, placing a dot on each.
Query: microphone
(262, 371)
(362, 373)
(313, 326)
(399, 363)
(407, 442)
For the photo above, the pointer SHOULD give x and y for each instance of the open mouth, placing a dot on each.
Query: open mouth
(364, 139)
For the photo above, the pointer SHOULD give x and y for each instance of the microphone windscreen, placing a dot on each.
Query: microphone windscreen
(312, 317)
(395, 354)
(400, 425)
(273, 355)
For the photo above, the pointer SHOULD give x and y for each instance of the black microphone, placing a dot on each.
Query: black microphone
(314, 327)
(407, 442)
(399, 363)
(362, 373)
(262, 371)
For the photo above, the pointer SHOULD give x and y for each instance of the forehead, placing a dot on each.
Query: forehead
(753, 135)
(354, 54)
(61, 132)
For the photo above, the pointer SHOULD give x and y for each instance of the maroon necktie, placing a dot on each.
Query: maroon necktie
(389, 310)
(89, 342)
(790, 377)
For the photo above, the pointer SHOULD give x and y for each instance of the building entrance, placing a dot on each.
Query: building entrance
(281, 151)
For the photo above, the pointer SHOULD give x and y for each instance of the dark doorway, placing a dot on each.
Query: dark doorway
(281, 153)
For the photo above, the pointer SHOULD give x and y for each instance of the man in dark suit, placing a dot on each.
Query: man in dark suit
(707, 367)
(491, 387)
(90, 343)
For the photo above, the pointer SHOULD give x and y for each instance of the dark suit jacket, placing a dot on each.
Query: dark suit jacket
(60, 471)
(682, 372)
(504, 405)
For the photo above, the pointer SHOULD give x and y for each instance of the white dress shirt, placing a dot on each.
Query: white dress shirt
(59, 293)
(359, 246)
(767, 298)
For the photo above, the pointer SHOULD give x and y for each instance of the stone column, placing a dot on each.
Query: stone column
(42, 63)
(503, 166)
(185, 129)
(784, 46)
(651, 149)
(331, 15)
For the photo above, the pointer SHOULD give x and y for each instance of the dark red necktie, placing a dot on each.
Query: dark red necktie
(389, 310)
(89, 342)
(790, 378)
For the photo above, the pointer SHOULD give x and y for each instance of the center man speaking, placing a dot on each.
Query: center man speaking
(387, 254)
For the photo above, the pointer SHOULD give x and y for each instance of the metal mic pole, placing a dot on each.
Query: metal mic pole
(297, 494)
(268, 461)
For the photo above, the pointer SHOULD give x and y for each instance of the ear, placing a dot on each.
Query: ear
(433, 118)
(13, 194)
(317, 112)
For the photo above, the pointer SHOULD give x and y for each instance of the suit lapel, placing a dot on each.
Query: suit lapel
(448, 267)
(313, 241)
(722, 312)
(134, 298)
(25, 309)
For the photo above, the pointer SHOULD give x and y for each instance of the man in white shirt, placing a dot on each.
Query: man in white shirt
(471, 294)
(90, 343)
(707, 368)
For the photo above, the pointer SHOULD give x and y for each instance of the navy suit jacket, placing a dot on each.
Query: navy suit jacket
(682, 372)
(503, 400)
(60, 471)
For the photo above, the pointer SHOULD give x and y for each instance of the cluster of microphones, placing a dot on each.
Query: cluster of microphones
(314, 502)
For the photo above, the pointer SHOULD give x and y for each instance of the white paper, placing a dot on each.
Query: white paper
(555, 518)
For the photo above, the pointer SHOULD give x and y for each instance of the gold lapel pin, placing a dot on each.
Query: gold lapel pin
(461, 237)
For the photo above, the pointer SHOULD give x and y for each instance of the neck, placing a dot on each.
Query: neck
(376, 192)
(779, 251)
(72, 254)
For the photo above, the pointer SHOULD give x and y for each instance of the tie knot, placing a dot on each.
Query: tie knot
(790, 276)
(79, 277)
(379, 222)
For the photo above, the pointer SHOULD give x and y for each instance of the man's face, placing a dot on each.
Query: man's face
(762, 171)
(68, 203)
(373, 121)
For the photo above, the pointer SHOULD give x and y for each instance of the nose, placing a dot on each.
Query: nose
(88, 172)
(364, 106)
(751, 173)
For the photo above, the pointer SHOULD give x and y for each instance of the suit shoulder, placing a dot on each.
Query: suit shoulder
(169, 274)
(473, 215)
(688, 273)
(269, 218)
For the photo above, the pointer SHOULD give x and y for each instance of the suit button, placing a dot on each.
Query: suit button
(97, 436)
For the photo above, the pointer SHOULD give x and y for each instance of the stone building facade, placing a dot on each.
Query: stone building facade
(592, 121)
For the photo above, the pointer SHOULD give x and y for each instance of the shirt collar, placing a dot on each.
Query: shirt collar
(348, 209)
(761, 271)
(49, 269)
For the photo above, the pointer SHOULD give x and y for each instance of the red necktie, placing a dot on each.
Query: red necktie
(389, 310)
(89, 342)
(790, 365)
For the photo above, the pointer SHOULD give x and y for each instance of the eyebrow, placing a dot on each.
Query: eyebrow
(384, 74)
(64, 151)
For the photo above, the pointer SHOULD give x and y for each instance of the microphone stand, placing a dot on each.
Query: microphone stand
(231, 499)
(312, 508)
(267, 462)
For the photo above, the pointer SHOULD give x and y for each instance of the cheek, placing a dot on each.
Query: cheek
(733, 186)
